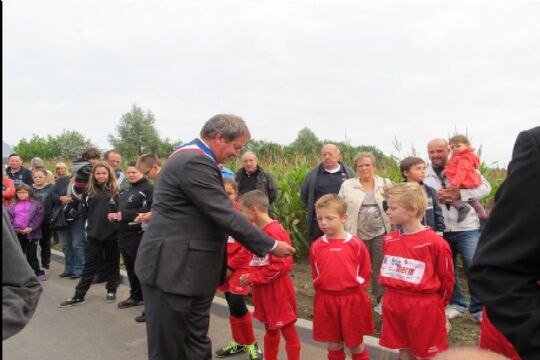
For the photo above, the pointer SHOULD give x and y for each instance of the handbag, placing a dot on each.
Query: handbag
(58, 218)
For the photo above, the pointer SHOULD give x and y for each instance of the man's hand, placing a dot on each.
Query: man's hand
(283, 249)
(449, 194)
(143, 217)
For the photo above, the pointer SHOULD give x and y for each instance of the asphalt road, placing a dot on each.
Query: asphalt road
(98, 330)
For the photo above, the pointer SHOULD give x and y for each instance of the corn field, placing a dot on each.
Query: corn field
(290, 168)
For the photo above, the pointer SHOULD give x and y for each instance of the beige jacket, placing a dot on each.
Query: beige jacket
(354, 194)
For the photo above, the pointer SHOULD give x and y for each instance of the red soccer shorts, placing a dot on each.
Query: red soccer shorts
(492, 339)
(415, 322)
(342, 318)
(232, 284)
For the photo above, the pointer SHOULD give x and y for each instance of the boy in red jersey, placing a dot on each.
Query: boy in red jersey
(273, 293)
(238, 259)
(417, 272)
(341, 272)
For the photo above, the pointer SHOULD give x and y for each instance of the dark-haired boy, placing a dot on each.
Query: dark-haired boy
(413, 169)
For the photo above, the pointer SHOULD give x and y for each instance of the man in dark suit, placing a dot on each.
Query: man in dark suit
(506, 265)
(182, 256)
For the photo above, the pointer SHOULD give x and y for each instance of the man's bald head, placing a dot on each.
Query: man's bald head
(438, 152)
(330, 156)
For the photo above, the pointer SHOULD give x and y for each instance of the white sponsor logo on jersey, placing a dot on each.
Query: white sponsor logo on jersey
(404, 269)
(260, 261)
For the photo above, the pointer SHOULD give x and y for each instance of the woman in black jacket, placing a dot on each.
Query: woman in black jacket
(133, 201)
(100, 199)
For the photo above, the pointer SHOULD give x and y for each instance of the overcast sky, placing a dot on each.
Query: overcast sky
(366, 72)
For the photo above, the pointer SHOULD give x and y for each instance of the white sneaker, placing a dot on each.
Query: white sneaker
(453, 311)
(478, 316)
(378, 307)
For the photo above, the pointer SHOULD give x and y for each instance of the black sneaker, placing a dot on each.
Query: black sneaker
(129, 303)
(65, 274)
(141, 318)
(75, 276)
(230, 349)
(111, 297)
(462, 213)
(72, 302)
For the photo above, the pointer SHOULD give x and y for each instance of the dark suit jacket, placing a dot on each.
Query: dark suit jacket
(183, 250)
(506, 265)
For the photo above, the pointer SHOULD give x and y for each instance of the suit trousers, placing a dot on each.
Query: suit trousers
(177, 325)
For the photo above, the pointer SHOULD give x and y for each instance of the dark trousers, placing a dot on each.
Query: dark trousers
(177, 325)
(45, 245)
(29, 249)
(94, 249)
(129, 257)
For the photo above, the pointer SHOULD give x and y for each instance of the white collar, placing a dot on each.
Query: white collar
(347, 238)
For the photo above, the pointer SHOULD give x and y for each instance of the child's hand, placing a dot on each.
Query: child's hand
(244, 279)
(228, 273)
(26, 231)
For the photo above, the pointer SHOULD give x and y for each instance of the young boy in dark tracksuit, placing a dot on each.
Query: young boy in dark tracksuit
(133, 201)
(413, 170)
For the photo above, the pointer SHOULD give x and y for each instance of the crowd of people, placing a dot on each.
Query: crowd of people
(399, 241)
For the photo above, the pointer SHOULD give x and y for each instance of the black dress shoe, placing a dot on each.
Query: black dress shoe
(75, 276)
(141, 318)
(65, 274)
(129, 303)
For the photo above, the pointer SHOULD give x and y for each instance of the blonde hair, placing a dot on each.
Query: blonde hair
(410, 195)
(365, 155)
(332, 201)
(110, 188)
(255, 198)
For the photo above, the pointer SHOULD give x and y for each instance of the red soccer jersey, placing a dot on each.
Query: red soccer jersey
(273, 293)
(339, 265)
(420, 263)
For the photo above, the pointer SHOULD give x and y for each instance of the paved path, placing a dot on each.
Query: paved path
(98, 330)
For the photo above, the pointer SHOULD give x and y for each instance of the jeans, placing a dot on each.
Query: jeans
(464, 243)
(72, 239)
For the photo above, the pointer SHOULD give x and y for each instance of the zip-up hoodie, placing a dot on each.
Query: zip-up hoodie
(95, 209)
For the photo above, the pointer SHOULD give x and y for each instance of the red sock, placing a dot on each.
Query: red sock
(292, 342)
(246, 336)
(336, 354)
(271, 344)
(364, 355)
(234, 329)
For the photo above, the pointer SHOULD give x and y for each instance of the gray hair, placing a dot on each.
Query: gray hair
(36, 162)
(228, 125)
(365, 154)
(249, 153)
